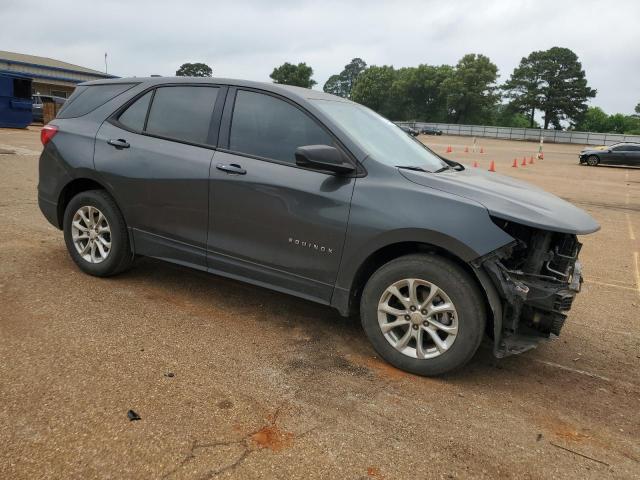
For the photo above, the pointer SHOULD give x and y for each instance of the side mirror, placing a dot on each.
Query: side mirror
(322, 157)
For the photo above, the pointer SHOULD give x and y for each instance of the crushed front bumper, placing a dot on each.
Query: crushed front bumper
(534, 297)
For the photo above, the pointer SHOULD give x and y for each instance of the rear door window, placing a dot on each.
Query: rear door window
(182, 113)
(134, 116)
(268, 127)
(92, 97)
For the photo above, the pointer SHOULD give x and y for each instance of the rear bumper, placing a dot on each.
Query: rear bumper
(50, 211)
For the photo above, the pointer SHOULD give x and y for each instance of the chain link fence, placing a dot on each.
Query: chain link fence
(530, 134)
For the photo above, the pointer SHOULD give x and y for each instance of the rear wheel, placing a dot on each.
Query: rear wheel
(96, 234)
(423, 314)
(592, 160)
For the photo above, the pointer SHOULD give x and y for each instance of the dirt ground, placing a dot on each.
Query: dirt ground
(234, 381)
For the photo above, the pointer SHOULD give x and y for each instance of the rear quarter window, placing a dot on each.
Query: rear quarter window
(135, 115)
(91, 97)
(182, 112)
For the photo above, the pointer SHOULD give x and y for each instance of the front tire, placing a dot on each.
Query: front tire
(423, 314)
(96, 234)
(593, 160)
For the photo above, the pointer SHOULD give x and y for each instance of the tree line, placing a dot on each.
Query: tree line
(551, 82)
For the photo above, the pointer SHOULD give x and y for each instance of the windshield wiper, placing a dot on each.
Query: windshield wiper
(411, 167)
(442, 169)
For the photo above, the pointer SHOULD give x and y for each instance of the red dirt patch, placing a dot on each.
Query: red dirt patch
(374, 472)
(561, 429)
(273, 438)
(380, 367)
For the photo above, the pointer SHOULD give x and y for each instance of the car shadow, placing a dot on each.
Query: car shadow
(618, 167)
(332, 342)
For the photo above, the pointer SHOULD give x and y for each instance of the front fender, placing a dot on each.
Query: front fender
(387, 209)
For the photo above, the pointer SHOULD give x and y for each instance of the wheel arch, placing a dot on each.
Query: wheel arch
(348, 302)
(83, 184)
(70, 190)
(593, 155)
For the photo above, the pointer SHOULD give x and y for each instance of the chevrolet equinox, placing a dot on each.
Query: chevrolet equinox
(313, 195)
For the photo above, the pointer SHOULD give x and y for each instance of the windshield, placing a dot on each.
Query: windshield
(380, 138)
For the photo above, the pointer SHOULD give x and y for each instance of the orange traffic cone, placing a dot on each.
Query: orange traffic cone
(449, 149)
(466, 149)
(515, 163)
(492, 167)
(524, 162)
(475, 164)
(531, 162)
(481, 150)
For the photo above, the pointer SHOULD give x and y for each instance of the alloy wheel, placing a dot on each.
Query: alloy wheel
(417, 318)
(91, 234)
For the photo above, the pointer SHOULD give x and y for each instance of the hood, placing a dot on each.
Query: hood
(510, 199)
(598, 148)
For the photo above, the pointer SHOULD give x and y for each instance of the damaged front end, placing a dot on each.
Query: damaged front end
(536, 277)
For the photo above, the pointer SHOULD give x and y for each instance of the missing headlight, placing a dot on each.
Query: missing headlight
(538, 277)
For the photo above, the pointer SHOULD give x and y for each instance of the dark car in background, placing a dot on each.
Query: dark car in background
(38, 104)
(430, 131)
(624, 153)
(316, 196)
(409, 130)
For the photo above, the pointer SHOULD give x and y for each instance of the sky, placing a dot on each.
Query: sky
(248, 38)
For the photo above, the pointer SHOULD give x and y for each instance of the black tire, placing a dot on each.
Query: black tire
(593, 160)
(120, 256)
(461, 290)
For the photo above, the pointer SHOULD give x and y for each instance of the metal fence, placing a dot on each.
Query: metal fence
(530, 134)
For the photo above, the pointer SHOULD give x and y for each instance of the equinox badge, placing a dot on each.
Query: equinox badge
(310, 245)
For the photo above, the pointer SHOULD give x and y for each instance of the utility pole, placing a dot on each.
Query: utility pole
(105, 63)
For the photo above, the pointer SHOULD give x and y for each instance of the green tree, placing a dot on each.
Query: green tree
(335, 86)
(472, 93)
(619, 123)
(637, 109)
(420, 94)
(290, 74)
(373, 89)
(594, 120)
(342, 83)
(194, 70)
(552, 81)
(351, 73)
(505, 115)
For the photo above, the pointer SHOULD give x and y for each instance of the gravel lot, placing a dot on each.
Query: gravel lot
(234, 381)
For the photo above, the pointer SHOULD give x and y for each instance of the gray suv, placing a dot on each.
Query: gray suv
(313, 195)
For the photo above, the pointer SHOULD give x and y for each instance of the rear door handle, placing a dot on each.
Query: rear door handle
(231, 168)
(119, 143)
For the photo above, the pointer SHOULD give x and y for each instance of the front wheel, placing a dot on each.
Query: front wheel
(592, 160)
(96, 234)
(423, 314)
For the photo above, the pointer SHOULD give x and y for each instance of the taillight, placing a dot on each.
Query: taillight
(47, 133)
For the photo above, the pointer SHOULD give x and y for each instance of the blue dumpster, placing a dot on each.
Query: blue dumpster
(15, 101)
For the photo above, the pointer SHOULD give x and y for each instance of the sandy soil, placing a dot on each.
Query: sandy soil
(268, 386)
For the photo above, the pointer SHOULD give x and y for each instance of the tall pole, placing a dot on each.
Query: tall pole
(105, 63)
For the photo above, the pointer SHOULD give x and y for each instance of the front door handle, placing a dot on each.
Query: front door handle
(119, 143)
(231, 168)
